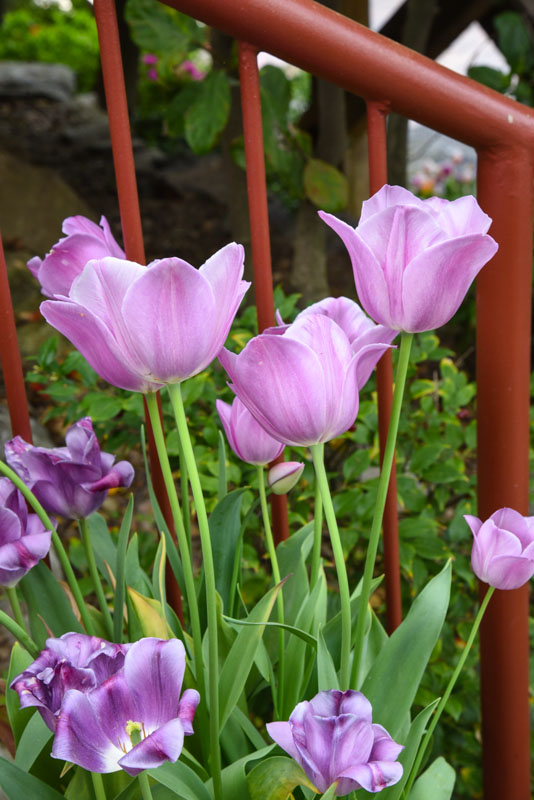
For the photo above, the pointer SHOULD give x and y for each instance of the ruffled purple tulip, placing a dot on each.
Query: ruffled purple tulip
(301, 383)
(85, 240)
(333, 739)
(74, 661)
(245, 436)
(136, 719)
(24, 540)
(143, 327)
(72, 481)
(360, 329)
(283, 477)
(503, 548)
(413, 259)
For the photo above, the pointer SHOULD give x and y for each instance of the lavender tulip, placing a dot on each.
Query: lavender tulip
(503, 548)
(245, 436)
(301, 382)
(72, 481)
(136, 719)
(24, 541)
(84, 241)
(74, 661)
(360, 330)
(143, 327)
(333, 739)
(413, 259)
(283, 477)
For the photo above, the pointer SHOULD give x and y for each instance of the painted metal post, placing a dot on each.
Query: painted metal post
(123, 161)
(376, 135)
(11, 361)
(504, 295)
(259, 224)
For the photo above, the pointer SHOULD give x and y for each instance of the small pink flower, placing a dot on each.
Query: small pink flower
(149, 58)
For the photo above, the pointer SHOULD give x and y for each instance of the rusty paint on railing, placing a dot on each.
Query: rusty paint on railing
(132, 232)
(259, 224)
(378, 173)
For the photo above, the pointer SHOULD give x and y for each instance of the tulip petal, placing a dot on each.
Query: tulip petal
(509, 572)
(154, 671)
(18, 557)
(66, 261)
(386, 197)
(373, 776)
(96, 342)
(175, 342)
(165, 744)
(356, 703)
(384, 747)
(490, 542)
(461, 216)
(370, 281)
(83, 736)
(186, 709)
(474, 523)
(452, 264)
(282, 734)
(510, 520)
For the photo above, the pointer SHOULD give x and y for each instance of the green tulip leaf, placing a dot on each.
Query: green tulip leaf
(276, 778)
(436, 782)
(18, 717)
(325, 186)
(17, 783)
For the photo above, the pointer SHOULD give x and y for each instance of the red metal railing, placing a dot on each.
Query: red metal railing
(391, 78)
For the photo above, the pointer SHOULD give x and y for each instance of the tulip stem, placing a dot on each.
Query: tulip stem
(60, 550)
(85, 535)
(317, 451)
(15, 607)
(175, 394)
(144, 785)
(450, 686)
(187, 563)
(383, 483)
(98, 786)
(19, 633)
(184, 486)
(278, 697)
(317, 534)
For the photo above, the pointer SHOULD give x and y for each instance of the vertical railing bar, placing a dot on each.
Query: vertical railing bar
(376, 136)
(259, 222)
(504, 291)
(11, 360)
(125, 177)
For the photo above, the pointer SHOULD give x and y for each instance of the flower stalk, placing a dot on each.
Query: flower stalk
(317, 534)
(15, 607)
(175, 394)
(98, 786)
(278, 699)
(450, 686)
(153, 410)
(19, 633)
(383, 483)
(341, 569)
(144, 785)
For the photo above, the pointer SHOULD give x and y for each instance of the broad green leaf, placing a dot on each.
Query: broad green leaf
(330, 793)
(46, 600)
(18, 717)
(326, 671)
(234, 779)
(292, 554)
(325, 186)
(150, 615)
(436, 782)
(34, 737)
(488, 76)
(208, 115)
(276, 778)
(300, 634)
(101, 407)
(276, 91)
(135, 577)
(332, 629)
(181, 779)
(103, 545)
(391, 689)
(225, 534)
(222, 468)
(375, 639)
(239, 661)
(513, 40)
(17, 783)
(155, 30)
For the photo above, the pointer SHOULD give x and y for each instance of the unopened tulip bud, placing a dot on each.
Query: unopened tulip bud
(282, 477)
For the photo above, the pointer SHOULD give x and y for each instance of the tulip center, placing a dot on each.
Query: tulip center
(135, 731)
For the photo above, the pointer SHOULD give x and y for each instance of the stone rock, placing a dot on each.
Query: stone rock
(34, 201)
(36, 79)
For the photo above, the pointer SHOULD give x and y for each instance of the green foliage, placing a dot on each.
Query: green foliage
(157, 29)
(36, 33)
(516, 42)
